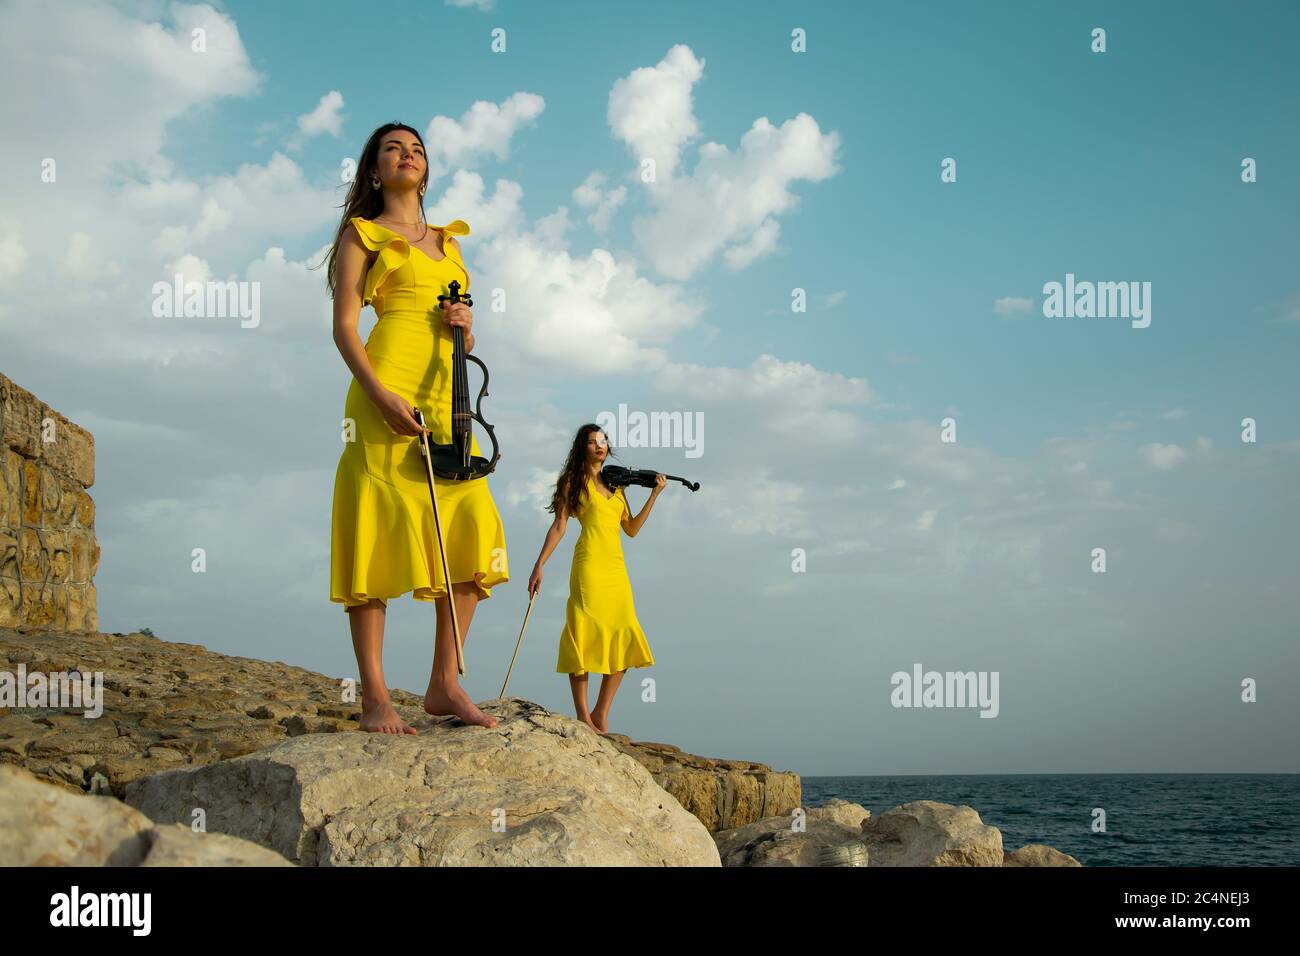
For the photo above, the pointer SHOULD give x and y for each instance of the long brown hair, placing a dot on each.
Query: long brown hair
(364, 199)
(571, 484)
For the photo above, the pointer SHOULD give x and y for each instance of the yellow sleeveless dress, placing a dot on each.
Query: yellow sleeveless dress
(601, 633)
(383, 541)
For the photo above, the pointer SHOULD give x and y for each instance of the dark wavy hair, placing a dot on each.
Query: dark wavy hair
(572, 481)
(364, 199)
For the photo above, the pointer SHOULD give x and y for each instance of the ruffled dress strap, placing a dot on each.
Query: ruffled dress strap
(394, 250)
(457, 227)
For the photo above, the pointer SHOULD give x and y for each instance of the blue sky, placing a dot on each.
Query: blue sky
(822, 427)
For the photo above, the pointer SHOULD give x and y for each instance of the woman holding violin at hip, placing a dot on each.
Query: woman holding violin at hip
(385, 538)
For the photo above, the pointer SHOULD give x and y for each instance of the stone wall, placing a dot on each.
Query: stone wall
(48, 551)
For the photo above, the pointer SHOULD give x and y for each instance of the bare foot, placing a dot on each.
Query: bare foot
(600, 721)
(586, 719)
(441, 700)
(381, 718)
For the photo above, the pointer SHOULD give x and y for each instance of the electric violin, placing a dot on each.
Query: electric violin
(455, 460)
(616, 476)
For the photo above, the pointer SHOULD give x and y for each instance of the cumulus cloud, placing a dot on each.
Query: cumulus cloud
(327, 117)
(650, 109)
(730, 202)
(163, 69)
(485, 129)
(602, 202)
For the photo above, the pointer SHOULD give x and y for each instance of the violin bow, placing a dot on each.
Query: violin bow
(442, 550)
(517, 644)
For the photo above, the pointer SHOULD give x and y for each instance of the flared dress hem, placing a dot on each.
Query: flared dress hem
(621, 647)
(397, 560)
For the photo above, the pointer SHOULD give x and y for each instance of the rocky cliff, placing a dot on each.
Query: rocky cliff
(207, 759)
(48, 551)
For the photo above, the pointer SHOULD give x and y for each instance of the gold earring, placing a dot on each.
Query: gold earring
(374, 181)
(421, 189)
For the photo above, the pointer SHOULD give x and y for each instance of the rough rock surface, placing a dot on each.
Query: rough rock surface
(169, 705)
(1038, 854)
(774, 841)
(721, 793)
(923, 833)
(165, 705)
(926, 833)
(536, 790)
(45, 825)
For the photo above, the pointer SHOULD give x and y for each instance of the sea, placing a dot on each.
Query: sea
(1150, 819)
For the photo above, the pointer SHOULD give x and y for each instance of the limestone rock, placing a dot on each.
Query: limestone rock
(175, 844)
(45, 825)
(723, 794)
(168, 705)
(165, 704)
(773, 841)
(1038, 854)
(538, 789)
(926, 833)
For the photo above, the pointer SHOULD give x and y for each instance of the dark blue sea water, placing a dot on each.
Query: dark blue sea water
(1151, 819)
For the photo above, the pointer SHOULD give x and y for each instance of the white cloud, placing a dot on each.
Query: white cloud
(650, 109)
(588, 313)
(327, 117)
(94, 89)
(1013, 305)
(1162, 457)
(729, 202)
(602, 202)
(485, 129)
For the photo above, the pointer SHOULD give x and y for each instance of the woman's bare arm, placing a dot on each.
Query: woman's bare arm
(554, 534)
(632, 525)
(350, 284)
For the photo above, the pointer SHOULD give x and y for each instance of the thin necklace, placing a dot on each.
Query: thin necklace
(401, 223)
(398, 222)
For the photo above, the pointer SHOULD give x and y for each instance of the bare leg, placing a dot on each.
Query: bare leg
(445, 695)
(377, 713)
(578, 684)
(605, 700)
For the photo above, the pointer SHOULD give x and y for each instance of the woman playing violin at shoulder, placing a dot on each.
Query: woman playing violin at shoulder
(601, 633)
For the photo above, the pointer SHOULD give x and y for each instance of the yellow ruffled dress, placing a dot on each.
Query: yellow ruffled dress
(601, 633)
(383, 542)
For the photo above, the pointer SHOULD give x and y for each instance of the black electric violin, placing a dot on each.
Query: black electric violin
(455, 460)
(616, 476)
